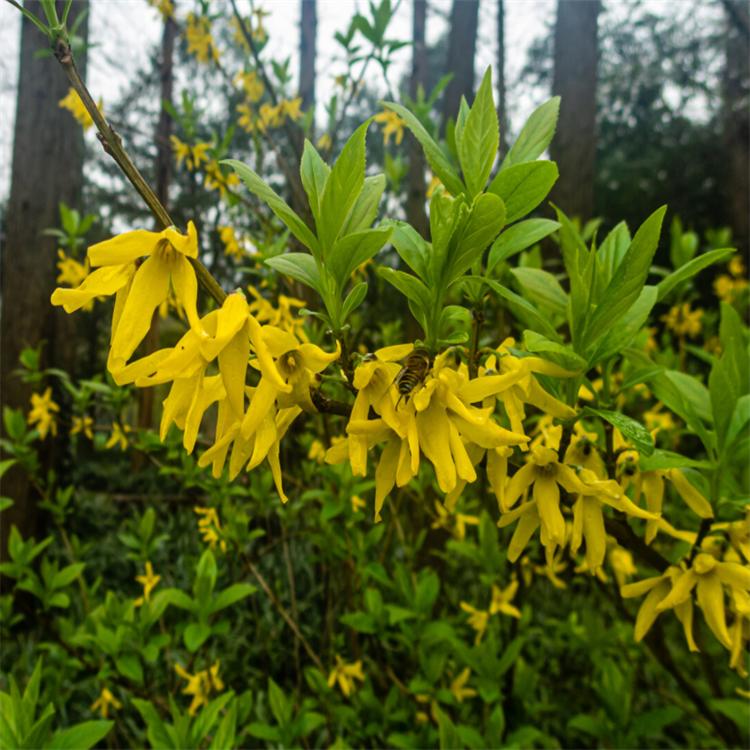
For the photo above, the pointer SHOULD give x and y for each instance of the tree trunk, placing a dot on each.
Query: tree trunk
(736, 92)
(47, 168)
(308, 33)
(415, 199)
(502, 114)
(461, 48)
(574, 145)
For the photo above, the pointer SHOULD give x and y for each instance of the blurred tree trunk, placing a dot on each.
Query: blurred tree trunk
(307, 50)
(461, 49)
(736, 93)
(47, 168)
(415, 200)
(502, 115)
(163, 176)
(574, 145)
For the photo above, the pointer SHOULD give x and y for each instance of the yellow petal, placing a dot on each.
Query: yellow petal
(711, 601)
(464, 467)
(518, 484)
(260, 404)
(100, 283)
(547, 496)
(684, 614)
(649, 610)
(394, 353)
(185, 285)
(265, 437)
(593, 530)
(434, 440)
(177, 404)
(209, 390)
(478, 389)
(233, 368)
(692, 497)
(527, 525)
(736, 576)
(315, 359)
(497, 475)
(125, 248)
(547, 403)
(265, 358)
(385, 474)
(187, 244)
(681, 587)
(639, 588)
(149, 289)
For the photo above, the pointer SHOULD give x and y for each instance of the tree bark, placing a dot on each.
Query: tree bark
(48, 153)
(736, 94)
(308, 33)
(502, 114)
(574, 145)
(415, 199)
(461, 49)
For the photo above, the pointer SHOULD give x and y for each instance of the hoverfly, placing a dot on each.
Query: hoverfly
(412, 374)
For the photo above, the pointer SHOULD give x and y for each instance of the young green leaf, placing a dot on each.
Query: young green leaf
(314, 173)
(351, 251)
(633, 431)
(543, 289)
(435, 157)
(353, 300)
(277, 204)
(479, 138)
(486, 219)
(691, 268)
(299, 266)
(365, 208)
(524, 186)
(411, 247)
(518, 237)
(535, 136)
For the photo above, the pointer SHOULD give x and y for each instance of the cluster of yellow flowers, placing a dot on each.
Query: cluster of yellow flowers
(683, 321)
(729, 286)
(200, 685)
(226, 337)
(193, 156)
(269, 115)
(232, 246)
(165, 7)
(209, 527)
(199, 39)
(392, 125)
(251, 84)
(216, 179)
(42, 413)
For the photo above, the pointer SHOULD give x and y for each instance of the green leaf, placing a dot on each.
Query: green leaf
(231, 595)
(224, 737)
(543, 289)
(437, 160)
(277, 204)
(342, 189)
(353, 300)
(693, 267)
(518, 237)
(519, 304)
(410, 246)
(524, 186)
(157, 733)
(362, 622)
(486, 219)
(633, 431)
(365, 209)
(129, 666)
(410, 286)
(195, 635)
(280, 706)
(263, 731)
(314, 173)
(536, 134)
(5, 465)
(740, 417)
(628, 280)
(299, 266)
(448, 734)
(351, 251)
(613, 249)
(67, 575)
(81, 736)
(558, 353)
(661, 460)
(479, 139)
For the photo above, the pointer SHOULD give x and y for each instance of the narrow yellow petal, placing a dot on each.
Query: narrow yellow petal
(434, 440)
(527, 525)
(649, 610)
(547, 496)
(692, 497)
(593, 531)
(464, 467)
(711, 601)
(100, 283)
(261, 403)
(681, 588)
(518, 484)
(233, 368)
(385, 474)
(684, 614)
(185, 285)
(125, 248)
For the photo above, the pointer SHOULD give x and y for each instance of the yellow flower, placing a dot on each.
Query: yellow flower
(215, 179)
(83, 425)
(454, 522)
(73, 103)
(737, 266)
(291, 108)
(199, 39)
(141, 291)
(193, 156)
(251, 84)
(478, 619)
(118, 436)
(149, 582)
(434, 184)
(247, 120)
(457, 686)
(656, 420)
(209, 527)
(165, 7)
(345, 675)
(42, 413)
(502, 598)
(728, 289)
(357, 503)
(622, 564)
(317, 452)
(231, 244)
(200, 685)
(683, 321)
(392, 125)
(71, 271)
(324, 143)
(270, 116)
(672, 590)
(104, 702)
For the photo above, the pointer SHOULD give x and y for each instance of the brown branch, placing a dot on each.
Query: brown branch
(627, 538)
